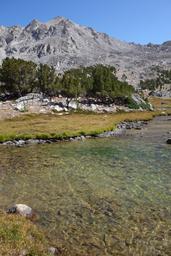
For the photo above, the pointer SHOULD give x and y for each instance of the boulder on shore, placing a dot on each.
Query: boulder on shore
(21, 209)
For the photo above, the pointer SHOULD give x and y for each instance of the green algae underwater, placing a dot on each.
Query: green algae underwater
(97, 197)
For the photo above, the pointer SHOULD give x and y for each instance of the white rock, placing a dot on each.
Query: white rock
(24, 210)
(53, 251)
(93, 107)
(20, 106)
(57, 108)
(73, 105)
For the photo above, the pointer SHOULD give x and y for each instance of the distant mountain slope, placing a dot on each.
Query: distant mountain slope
(65, 45)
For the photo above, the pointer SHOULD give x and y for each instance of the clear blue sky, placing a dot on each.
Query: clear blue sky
(141, 21)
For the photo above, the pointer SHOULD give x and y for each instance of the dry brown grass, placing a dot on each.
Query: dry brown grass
(54, 126)
(19, 235)
(160, 102)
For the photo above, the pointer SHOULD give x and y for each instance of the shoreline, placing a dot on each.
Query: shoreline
(118, 131)
(41, 129)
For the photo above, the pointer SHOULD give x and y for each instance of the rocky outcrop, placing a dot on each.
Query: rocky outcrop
(65, 45)
(141, 102)
(36, 103)
(164, 92)
(22, 103)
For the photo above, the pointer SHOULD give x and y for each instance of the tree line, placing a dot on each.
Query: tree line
(19, 77)
(163, 77)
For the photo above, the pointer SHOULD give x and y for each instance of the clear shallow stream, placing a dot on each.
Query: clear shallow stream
(100, 196)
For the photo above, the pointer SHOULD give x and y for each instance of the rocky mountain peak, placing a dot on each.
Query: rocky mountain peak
(59, 20)
(167, 43)
(65, 45)
(33, 25)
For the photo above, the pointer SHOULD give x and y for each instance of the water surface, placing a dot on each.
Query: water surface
(100, 196)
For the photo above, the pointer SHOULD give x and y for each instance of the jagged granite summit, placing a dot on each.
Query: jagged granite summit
(65, 45)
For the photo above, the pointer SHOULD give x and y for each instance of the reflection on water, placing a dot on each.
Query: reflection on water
(97, 197)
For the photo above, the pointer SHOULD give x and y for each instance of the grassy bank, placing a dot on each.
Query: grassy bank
(19, 236)
(160, 103)
(53, 126)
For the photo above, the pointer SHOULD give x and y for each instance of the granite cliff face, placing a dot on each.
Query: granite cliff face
(65, 45)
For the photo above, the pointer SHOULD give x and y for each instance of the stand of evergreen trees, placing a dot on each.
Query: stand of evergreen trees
(163, 77)
(19, 77)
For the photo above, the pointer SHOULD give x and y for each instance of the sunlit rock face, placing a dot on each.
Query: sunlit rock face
(65, 44)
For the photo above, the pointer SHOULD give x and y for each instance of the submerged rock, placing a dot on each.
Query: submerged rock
(22, 210)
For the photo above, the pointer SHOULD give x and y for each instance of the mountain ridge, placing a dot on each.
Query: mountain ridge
(64, 44)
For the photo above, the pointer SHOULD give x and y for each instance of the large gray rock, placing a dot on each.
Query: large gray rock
(22, 103)
(30, 97)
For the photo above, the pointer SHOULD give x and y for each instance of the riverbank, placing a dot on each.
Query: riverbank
(33, 129)
(19, 236)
